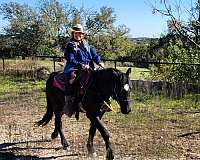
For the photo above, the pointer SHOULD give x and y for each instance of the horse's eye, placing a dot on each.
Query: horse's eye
(126, 87)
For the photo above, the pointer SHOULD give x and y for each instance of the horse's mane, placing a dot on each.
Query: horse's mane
(107, 70)
(111, 69)
(106, 79)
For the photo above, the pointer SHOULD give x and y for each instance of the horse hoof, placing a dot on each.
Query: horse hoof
(90, 149)
(92, 156)
(109, 155)
(65, 145)
(54, 135)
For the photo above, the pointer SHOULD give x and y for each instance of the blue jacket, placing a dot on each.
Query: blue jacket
(77, 56)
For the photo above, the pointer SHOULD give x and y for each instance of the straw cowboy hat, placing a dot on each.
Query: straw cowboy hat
(76, 28)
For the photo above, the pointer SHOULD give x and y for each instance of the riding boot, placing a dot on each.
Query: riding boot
(69, 100)
(76, 105)
(77, 102)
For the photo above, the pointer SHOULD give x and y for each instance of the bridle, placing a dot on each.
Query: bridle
(116, 92)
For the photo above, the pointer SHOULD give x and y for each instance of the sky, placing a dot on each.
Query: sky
(135, 14)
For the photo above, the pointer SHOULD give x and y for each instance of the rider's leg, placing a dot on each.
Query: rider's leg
(77, 95)
(69, 93)
(72, 77)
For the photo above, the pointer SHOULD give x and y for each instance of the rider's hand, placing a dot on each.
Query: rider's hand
(85, 66)
(101, 65)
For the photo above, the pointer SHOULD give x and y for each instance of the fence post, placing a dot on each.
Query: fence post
(54, 64)
(3, 64)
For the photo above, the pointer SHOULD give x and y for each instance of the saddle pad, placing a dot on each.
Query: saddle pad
(60, 80)
(58, 84)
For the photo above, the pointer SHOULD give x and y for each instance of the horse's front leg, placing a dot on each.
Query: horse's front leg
(58, 127)
(96, 122)
(92, 132)
(90, 146)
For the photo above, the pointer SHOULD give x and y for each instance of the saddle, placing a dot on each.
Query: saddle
(61, 80)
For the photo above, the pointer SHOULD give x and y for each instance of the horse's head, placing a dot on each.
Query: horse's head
(121, 92)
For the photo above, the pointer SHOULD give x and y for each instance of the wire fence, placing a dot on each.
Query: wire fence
(31, 66)
(115, 62)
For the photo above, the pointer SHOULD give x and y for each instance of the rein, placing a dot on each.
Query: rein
(110, 105)
(115, 95)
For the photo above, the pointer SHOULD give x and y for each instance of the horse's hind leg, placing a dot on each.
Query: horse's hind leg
(58, 127)
(55, 133)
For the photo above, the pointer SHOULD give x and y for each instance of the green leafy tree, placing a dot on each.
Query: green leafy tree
(44, 30)
(114, 44)
(53, 16)
(23, 27)
(100, 22)
(184, 20)
(183, 43)
(5, 47)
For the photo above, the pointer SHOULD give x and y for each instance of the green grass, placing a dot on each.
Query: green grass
(26, 89)
(146, 107)
(13, 84)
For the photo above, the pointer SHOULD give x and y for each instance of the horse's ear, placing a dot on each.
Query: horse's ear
(128, 71)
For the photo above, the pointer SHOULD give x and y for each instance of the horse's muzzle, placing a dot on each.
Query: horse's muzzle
(126, 111)
(125, 107)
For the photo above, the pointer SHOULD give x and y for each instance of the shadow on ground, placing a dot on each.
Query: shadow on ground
(7, 151)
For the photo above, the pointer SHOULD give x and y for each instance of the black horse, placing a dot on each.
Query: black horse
(103, 84)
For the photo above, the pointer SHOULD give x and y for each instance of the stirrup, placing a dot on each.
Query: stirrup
(69, 100)
(68, 107)
(81, 109)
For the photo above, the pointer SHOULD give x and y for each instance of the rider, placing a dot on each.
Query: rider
(78, 54)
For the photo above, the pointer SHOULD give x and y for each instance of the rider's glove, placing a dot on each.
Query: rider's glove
(101, 64)
(85, 66)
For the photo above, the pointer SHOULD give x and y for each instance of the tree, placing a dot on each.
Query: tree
(181, 44)
(45, 30)
(5, 47)
(31, 31)
(114, 43)
(54, 18)
(187, 28)
(23, 27)
(100, 22)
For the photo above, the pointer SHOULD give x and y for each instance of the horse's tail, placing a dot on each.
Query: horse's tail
(49, 111)
(47, 116)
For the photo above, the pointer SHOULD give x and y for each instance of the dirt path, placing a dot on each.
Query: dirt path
(20, 139)
(142, 135)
